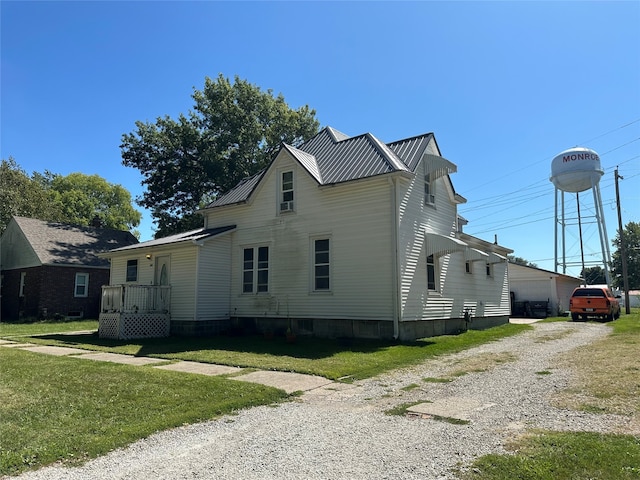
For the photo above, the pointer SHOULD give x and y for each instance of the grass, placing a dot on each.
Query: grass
(18, 329)
(328, 358)
(607, 380)
(553, 455)
(64, 409)
(607, 372)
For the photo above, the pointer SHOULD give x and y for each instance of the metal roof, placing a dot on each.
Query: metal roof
(332, 157)
(190, 236)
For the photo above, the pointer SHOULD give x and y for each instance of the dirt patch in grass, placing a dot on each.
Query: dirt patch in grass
(480, 363)
(606, 378)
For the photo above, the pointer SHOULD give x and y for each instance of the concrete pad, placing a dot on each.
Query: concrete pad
(119, 358)
(201, 368)
(460, 408)
(4, 342)
(287, 381)
(524, 321)
(17, 345)
(53, 350)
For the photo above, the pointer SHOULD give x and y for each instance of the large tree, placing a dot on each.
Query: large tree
(22, 195)
(77, 198)
(631, 237)
(233, 131)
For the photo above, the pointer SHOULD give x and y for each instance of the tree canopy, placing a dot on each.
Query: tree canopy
(233, 131)
(77, 198)
(594, 275)
(521, 261)
(631, 237)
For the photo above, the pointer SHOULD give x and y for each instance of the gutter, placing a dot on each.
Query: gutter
(395, 264)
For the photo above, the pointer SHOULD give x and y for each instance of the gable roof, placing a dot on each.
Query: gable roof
(332, 157)
(63, 244)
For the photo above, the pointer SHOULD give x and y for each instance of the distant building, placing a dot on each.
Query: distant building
(52, 269)
(536, 285)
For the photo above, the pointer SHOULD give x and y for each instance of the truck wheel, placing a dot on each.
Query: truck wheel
(617, 315)
(575, 317)
(609, 317)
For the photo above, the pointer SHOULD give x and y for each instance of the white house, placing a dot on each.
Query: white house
(534, 285)
(343, 236)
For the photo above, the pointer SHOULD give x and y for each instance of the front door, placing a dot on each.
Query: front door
(162, 278)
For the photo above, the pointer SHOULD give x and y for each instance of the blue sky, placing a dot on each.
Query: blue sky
(504, 86)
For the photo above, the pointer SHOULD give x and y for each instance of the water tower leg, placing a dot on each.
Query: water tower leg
(602, 229)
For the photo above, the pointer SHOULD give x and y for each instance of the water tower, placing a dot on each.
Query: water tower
(574, 171)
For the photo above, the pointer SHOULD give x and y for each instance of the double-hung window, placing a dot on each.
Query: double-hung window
(81, 288)
(321, 265)
(429, 190)
(132, 270)
(255, 270)
(431, 273)
(286, 192)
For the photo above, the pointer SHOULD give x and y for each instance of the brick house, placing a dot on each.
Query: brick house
(52, 269)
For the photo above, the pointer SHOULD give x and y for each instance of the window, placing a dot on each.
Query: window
(489, 269)
(255, 270)
(431, 273)
(467, 267)
(81, 288)
(321, 277)
(286, 194)
(132, 270)
(429, 190)
(23, 277)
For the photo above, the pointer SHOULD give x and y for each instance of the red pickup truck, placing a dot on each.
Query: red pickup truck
(593, 302)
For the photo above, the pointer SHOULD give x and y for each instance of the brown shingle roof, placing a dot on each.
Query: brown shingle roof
(63, 244)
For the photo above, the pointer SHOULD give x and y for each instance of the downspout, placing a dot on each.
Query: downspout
(395, 264)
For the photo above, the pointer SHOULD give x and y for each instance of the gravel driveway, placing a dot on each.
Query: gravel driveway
(341, 431)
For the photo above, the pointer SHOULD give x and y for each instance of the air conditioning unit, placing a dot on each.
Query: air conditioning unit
(286, 206)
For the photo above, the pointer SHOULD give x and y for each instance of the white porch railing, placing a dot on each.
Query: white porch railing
(136, 299)
(135, 311)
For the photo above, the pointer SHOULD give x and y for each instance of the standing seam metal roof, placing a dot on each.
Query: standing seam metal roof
(332, 157)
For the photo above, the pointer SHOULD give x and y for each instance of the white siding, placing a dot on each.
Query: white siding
(214, 279)
(457, 290)
(356, 216)
(183, 282)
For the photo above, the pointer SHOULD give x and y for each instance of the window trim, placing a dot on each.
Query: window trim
(23, 278)
(286, 197)
(489, 270)
(130, 264)
(257, 286)
(468, 267)
(433, 265)
(85, 285)
(314, 264)
(429, 190)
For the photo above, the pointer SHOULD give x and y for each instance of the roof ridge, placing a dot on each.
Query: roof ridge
(390, 157)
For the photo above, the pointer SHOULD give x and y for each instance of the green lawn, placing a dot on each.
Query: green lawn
(333, 359)
(67, 409)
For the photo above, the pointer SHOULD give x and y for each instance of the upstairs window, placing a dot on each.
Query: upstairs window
(255, 270)
(132, 270)
(321, 264)
(429, 190)
(286, 192)
(81, 288)
(467, 267)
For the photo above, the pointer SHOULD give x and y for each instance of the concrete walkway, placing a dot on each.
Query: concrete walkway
(288, 381)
